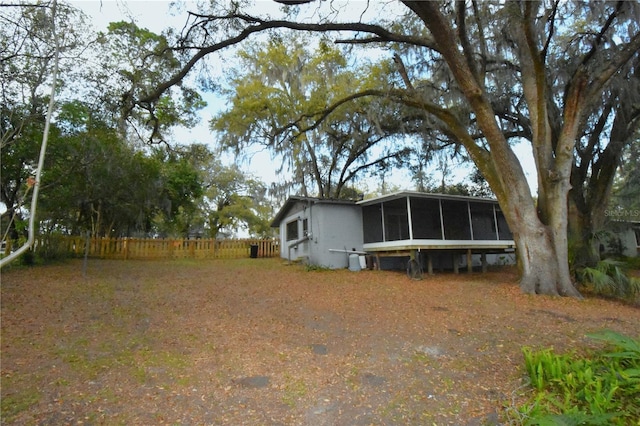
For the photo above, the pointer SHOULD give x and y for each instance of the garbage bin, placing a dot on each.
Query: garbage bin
(254, 251)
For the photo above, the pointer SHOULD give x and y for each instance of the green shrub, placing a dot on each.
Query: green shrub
(631, 262)
(609, 278)
(28, 258)
(602, 388)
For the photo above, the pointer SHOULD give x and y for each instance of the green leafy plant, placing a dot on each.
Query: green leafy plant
(12, 405)
(601, 388)
(609, 278)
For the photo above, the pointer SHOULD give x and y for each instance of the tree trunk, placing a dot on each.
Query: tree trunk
(592, 179)
(540, 234)
(540, 271)
(540, 238)
(581, 231)
(541, 262)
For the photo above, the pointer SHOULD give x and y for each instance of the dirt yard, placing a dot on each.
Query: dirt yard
(257, 342)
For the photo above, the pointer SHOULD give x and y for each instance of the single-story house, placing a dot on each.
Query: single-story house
(442, 231)
(319, 232)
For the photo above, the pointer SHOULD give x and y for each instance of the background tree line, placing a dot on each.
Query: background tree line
(111, 167)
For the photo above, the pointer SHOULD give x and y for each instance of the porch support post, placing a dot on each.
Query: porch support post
(484, 262)
(409, 218)
(469, 264)
(429, 264)
(454, 258)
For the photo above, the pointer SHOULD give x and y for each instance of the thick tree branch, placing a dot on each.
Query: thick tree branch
(483, 42)
(500, 153)
(365, 166)
(461, 16)
(534, 86)
(613, 64)
(257, 25)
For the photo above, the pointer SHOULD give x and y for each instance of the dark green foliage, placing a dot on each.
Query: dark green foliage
(600, 388)
(28, 258)
(632, 262)
(609, 278)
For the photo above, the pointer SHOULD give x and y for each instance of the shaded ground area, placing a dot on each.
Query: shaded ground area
(256, 342)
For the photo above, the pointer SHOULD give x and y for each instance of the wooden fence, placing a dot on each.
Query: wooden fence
(135, 248)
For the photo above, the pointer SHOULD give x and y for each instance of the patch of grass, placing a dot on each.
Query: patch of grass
(396, 408)
(352, 378)
(294, 390)
(61, 382)
(167, 364)
(92, 359)
(165, 359)
(447, 384)
(317, 268)
(13, 404)
(632, 262)
(421, 358)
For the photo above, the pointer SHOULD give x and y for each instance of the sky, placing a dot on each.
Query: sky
(158, 15)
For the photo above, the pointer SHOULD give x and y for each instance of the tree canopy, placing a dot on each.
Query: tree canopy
(281, 92)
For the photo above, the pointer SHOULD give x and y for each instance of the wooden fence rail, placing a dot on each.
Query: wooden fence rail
(136, 248)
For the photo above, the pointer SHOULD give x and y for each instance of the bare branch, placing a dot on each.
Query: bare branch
(403, 72)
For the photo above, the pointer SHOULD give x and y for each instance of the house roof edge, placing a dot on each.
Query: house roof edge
(292, 200)
(419, 194)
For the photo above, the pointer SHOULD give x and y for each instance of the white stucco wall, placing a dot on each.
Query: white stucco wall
(330, 227)
(335, 227)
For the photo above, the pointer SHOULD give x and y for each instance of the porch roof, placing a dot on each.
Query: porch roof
(418, 194)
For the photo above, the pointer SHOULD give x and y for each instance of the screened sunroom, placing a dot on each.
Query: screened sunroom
(407, 223)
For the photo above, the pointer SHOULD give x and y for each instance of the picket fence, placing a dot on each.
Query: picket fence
(135, 248)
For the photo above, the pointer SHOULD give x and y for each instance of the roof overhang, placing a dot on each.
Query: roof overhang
(417, 194)
(294, 200)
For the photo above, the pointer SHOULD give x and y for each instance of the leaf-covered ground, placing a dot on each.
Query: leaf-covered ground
(258, 342)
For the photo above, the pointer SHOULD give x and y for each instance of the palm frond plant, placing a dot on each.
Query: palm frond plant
(609, 278)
